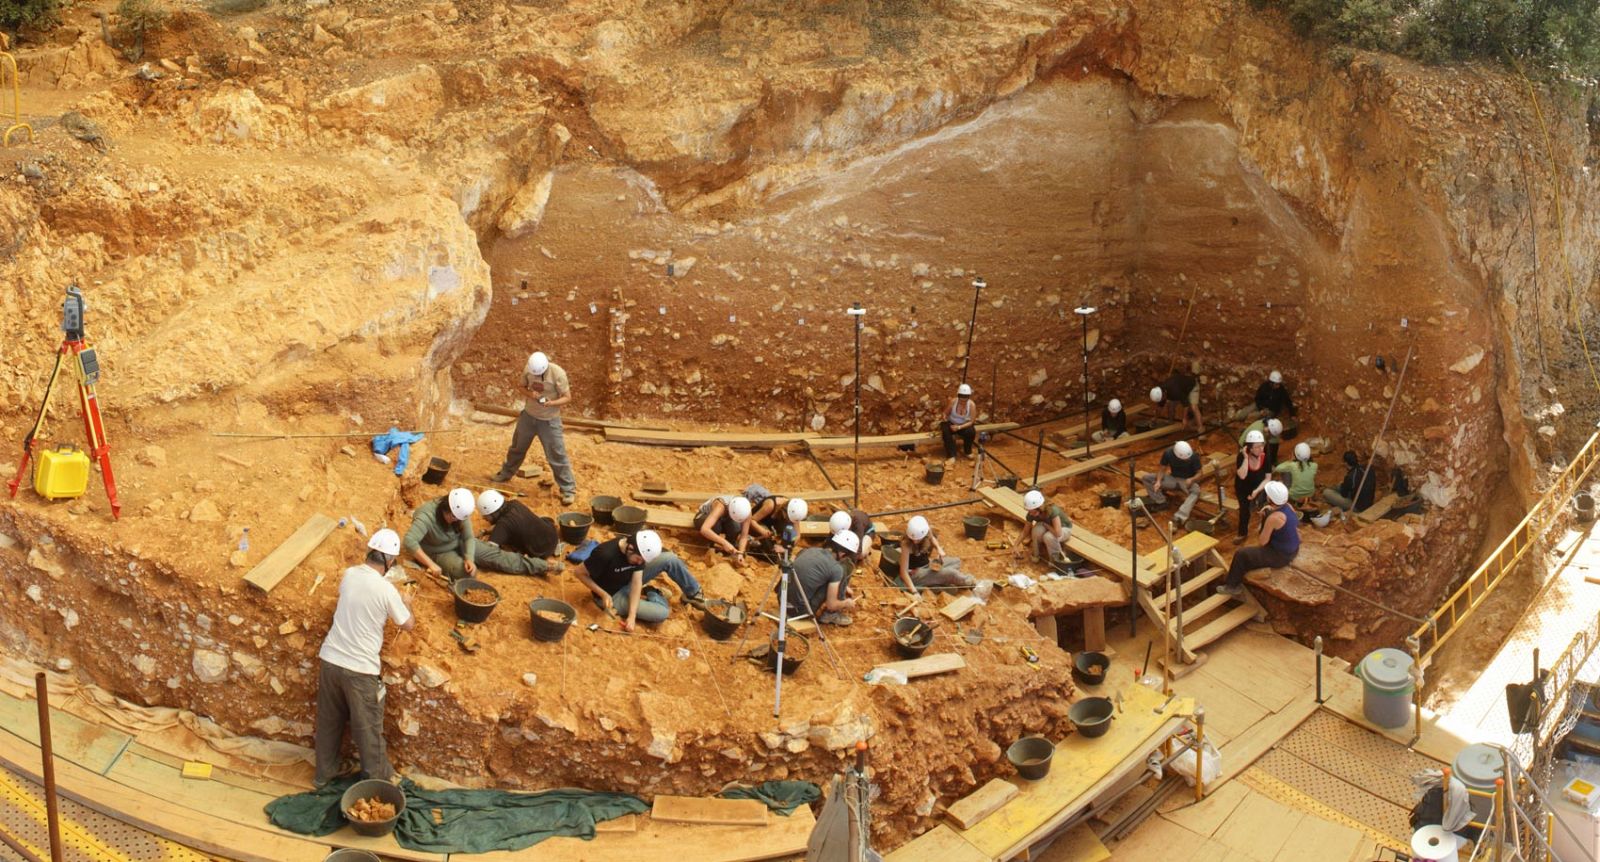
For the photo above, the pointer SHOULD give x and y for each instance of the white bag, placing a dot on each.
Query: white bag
(1184, 764)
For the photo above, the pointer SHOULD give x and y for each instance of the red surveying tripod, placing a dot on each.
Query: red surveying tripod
(86, 367)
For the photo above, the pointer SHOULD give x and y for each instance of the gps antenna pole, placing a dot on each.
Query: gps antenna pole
(859, 314)
(978, 285)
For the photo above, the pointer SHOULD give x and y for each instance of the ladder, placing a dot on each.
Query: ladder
(1206, 615)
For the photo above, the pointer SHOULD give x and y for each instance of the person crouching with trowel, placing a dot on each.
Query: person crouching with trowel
(617, 571)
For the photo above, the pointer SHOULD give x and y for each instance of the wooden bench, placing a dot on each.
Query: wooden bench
(693, 439)
(881, 441)
(1098, 550)
(698, 497)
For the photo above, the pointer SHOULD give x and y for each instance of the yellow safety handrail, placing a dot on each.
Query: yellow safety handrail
(1447, 619)
(9, 62)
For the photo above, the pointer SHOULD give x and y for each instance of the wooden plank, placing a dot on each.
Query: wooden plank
(1191, 546)
(698, 497)
(928, 665)
(939, 844)
(91, 746)
(781, 838)
(708, 810)
(278, 564)
(1208, 815)
(960, 608)
(625, 823)
(1102, 552)
(1081, 770)
(1080, 844)
(1218, 627)
(1378, 509)
(695, 439)
(972, 808)
(1259, 827)
(1246, 748)
(671, 519)
(1121, 442)
(823, 444)
(1190, 586)
(1080, 467)
(199, 830)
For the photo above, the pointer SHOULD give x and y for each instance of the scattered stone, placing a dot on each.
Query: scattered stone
(277, 687)
(235, 619)
(35, 593)
(63, 664)
(249, 665)
(1352, 393)
(69, 617)
(210, 666)
(153, 456)
(145, 665)
(205, 512)
(44, 564)
(1468, 362)
(530, 679)
(428, 676)
(239, 559)
(288, 628)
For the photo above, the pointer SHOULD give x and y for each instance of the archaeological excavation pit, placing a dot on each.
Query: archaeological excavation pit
(297, 227)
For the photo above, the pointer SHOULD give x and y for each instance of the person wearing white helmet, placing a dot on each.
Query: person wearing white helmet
(1179, 397)
(1113, 422)
(441, 537)
(837, 521)
(1179, 470)
(546, 387)
(1302, 474)
(960, 420)
(1045, 529)
(1275, 546)
(1251, 470)
(349, 685)
(859, 522)
(618, 573)
(820, 580)
(516, 529)
(919, 552)
(1271, 431)
(774, 521)
(1272, 399)
(724, 521)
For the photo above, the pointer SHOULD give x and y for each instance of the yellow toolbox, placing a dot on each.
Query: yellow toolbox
(62, 473)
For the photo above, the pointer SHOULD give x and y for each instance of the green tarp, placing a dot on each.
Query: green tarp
(780, 796)
(464, 821)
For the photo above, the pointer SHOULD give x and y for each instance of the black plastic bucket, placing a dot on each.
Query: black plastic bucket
(1031, 756)
(549, 630)
(628, 520)
(602, 507)
(1110, 499)
(573, 527)
(350, 854)
(367, 789)
(438, 468)
(976, 526)
(889, 559)
(933, 472)
(1089, 668)
(795, 652)
(912, 636)
(722, 618)
(1583, 505)
(471, 612)
(1006, 482)
(1092, 716)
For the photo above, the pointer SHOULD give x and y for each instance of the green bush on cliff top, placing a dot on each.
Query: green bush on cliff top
(1546, 37)
(27, 13)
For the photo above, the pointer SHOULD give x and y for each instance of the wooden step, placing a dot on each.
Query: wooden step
(1164, 601)
(1195, 613)
(1220, 626)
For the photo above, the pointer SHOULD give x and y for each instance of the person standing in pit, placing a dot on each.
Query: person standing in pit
(349, 686)
(1180, 392)
(1250, 473)
(820, 580)
(919, 550)
(1275, 546)
(545, 384)
(1272, 428)
(1113, 422)
(723, 521)
(1302, 473)
(1180, 471)
(1045, 529)
(617, 573)
(960, 420)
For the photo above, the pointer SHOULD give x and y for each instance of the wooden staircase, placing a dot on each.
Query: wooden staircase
(1205, 617)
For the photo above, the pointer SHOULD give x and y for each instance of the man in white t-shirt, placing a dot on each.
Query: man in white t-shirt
(349, 687)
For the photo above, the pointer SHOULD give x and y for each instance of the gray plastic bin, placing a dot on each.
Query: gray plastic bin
(1386, 675)
(1478, 766)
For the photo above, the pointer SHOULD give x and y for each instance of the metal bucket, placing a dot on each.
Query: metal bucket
(1110, 499)
(470, 612)
(367, 789)
(1583, 506)
(1031, 756)
(549, 630)
(350, 854)
(976, 526)
(889, 559)
(573, 527)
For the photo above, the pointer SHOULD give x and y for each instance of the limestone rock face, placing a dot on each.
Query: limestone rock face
(210, 666)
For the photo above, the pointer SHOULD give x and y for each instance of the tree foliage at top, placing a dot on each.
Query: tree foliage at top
(1545, 37)
(28, 13)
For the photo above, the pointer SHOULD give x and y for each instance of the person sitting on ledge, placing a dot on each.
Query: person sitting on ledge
(1113, 422)
(960, 420)
(1272, 399)
(1045, 531)
(1276, 545)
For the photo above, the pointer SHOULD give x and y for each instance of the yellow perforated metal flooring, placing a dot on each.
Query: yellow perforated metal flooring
(88, 836)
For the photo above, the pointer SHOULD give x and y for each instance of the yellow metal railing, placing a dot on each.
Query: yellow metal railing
(8, 63)
(1545, 513)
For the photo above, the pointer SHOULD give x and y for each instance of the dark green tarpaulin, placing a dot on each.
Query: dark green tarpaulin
(469, 821)
(780, 796)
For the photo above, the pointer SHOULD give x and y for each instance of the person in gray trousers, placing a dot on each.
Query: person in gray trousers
(546, 385)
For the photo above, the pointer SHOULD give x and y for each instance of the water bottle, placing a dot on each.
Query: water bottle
(244, 540)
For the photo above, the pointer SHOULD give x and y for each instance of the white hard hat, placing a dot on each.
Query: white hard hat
(1032, 500)
(1183, 450)
(461, 503)
(1155, 394)
(1277, 493)
(848, 541)
(1275, 377)
(385, 541)
(538, 363)
(797, 510)
(839, 521)
(739, 508)
(490, 501)
(1302, 451)
(648, 543)
(1274, 427)
(1254, 436)
(963, 389)
(1115, 406)
(917, 528)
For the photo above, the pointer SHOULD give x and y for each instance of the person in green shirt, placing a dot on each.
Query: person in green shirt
(1302, 475)
(441, 539)
(1272, 429)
